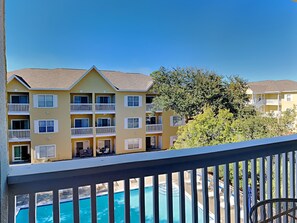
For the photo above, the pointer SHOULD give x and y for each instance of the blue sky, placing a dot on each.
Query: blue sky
(256, 39)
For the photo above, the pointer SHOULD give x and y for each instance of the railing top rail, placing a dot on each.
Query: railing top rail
(18, 130)
(150, 163)
(80, 103)
(105, 103)
(102, 127)
(18, 103)
(82, 128)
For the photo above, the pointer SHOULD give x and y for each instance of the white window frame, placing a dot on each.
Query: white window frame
(172, 140)
(80, 119)
(134, 148)
(36, 126)
(10, 97)
(103, 118)
(127, 122)
(288, 97)
(139, 101)
(88, 101)
(172, 124)
(107, 96)
(37, 151)
(35, 100)
(13, 158)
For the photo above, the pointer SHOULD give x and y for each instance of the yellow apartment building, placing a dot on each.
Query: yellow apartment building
(273, 96)
(59, 114)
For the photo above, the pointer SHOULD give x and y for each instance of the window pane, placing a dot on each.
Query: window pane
(15, 99)
(85, 123)
(49, 101)
(77, 123)
(136, 123)
(130, 123)
(42, 126)
(136, 101)
(17, 153)
(50, 126)
(41, 101)
(23, 99)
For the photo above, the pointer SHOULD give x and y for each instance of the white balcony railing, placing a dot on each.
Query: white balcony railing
(105, 130)
(19, 135)
(261, 169)
(149, 108)
(84, 131)
(105, 107)
(18, 108)
(154, 128)
(81, 108)
(272, 101)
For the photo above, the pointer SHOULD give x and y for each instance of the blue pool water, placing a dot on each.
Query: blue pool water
(44, 213)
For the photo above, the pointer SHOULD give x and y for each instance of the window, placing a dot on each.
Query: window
(103, 122)
(104, 144)
(176, 121)
(20, 124)
(45, 101)
(19, 99)
(103, 99)
(288, 97)
(133, 101)
(46, 126)
(132, 123)
(45, 151)
(149, 99)
(81, 122)
(151, 120)
(133, 143)
(20, 153)
(172, 140)
(81, 99)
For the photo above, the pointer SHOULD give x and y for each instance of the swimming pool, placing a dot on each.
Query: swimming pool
(44, 213)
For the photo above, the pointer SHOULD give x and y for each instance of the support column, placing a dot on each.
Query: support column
(3, 121)
(94, 123)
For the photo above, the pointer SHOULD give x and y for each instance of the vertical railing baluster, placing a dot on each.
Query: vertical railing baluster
(11, 208)
(236, 192)
(269, 184)
(205, 195)
(75, 198)
(111, 201)
(169, 197)
(262, 186)
(56, 206)
(127, 200)
(141, 200)
(194, 196)
(216, 187)
(277, 184)
(285, 181)
(254, 186)
(227, 193)
(182, 206)
(32, 207)
(245, 190)
(292, 174)
(156, 198)
(93, 203)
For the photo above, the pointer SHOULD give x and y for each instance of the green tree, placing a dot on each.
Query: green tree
(187, 91)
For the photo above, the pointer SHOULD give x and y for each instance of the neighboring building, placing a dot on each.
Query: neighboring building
(58, 114)
(273, 96)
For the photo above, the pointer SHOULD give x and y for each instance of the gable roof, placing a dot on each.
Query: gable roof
(65, 79)
(270, 86)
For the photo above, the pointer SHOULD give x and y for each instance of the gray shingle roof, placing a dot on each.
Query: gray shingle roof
(273, 86)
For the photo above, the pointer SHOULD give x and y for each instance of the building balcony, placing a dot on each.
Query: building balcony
(105, 131)
(194, 184)
(81, 132)
(105, 108)
(19, 135)
(154, 128)
(272, 102)
(81, 108)
(149, 108)
(18, 109)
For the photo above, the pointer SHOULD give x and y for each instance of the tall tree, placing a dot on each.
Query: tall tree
(187, 90)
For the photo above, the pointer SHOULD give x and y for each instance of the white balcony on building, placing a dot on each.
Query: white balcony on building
(81, 108)
(106, 131)
(272, 102)
(18, 109)
(154, 128)
(105, 108)
(149, 108)
(81, 132)
(19, 135)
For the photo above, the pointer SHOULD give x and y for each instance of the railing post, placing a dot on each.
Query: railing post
(3, 121)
